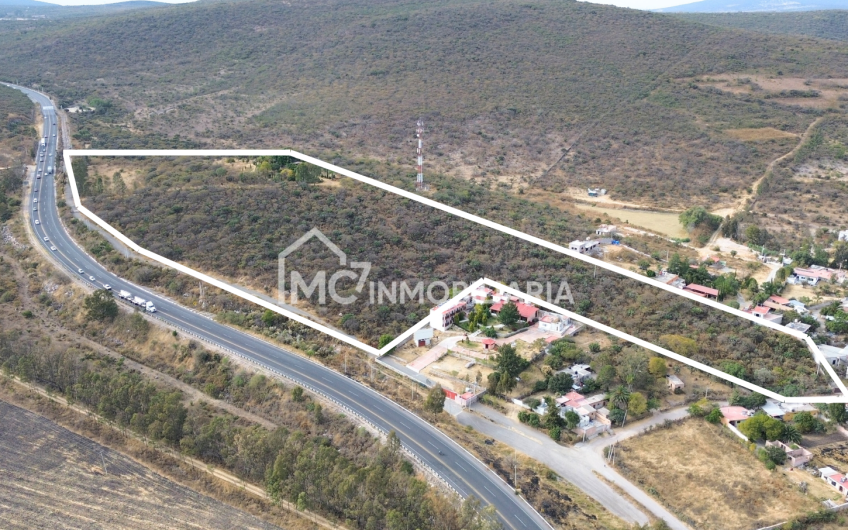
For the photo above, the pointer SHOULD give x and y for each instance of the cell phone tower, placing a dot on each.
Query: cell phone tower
(419, 180)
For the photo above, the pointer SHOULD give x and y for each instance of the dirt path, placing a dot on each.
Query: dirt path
(752, 196)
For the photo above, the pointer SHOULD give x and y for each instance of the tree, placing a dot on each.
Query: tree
(714, 416)
(620, 396)
(698, 216)
(384, 339)
(297, 393)
(805, 422)
(791, 434)
(775, 454)
(509, 314)
(509, 362)
(657, 367)
(637, 404)
(560, 383)
(837, 412)
(756, 235)
(762, 427)
(555, 433)
(269, 318)
(100, 306)
(572, 419)
(307, 174)
(435, 401)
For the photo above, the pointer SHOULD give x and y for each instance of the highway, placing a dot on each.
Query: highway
(458, 468)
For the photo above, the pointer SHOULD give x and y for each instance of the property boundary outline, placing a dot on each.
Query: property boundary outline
(817, 354)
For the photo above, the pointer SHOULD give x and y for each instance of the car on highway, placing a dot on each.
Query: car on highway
(35, 190)
(52, 248)
(92, 278)
(46, 238)
(107, 286)
(35, 208)
(37, 222)
(79, 271)
(34, 200)
(54, 134)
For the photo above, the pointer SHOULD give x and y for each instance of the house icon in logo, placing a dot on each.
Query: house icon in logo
(320, 281)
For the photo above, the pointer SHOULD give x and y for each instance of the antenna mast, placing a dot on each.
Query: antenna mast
(419, 132)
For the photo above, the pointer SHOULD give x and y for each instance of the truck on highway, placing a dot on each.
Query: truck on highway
(144, 304)
(43, 143)
(126, 295)
(49, 170)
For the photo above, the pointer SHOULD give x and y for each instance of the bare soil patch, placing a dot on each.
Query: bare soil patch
(710, 479)
(54, 478)
(763, 133)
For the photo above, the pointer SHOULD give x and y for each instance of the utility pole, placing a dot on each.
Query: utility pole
(202, 296)
(103, 461)
(419, 132)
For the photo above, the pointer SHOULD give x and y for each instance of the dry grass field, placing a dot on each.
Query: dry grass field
(53, 478)
(709, 479)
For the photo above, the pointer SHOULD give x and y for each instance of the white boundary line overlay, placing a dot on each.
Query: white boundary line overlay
(817, 355)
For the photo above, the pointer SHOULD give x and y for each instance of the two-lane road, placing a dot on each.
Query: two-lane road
(455, 465)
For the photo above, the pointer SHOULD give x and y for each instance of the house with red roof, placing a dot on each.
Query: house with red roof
(489, 344)
(700, 290)
(441, 317)
(733, 415)
(526, 312)
(764, 312)
(835, 479)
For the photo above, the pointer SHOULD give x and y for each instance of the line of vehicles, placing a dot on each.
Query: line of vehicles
(136, 300)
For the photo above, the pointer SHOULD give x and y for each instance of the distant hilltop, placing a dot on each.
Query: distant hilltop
(732, 6)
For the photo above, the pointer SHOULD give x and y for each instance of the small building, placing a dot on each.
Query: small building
(797, 456)
(584, 247)
(596, 192)
(441, 317)
(526, 312)
(797, 325)
(482, 295)
(700, 290)
(816, 274)
(671, 279)
(785, 411)
(580, 373)
(489, 344)
(835, 356)
(423, 337)
(798, 307)
(734, 415)
(674, 383)
(553, 323)
(765, 313)
(835, 479)
(606, 231)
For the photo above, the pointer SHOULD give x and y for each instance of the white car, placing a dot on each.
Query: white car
(46, 238)
(34, 199)
(52, 248)
(37, 222)
(91, 278)
(79, 271)
(107, 286)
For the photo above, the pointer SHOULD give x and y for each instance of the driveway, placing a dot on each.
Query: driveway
(578, 464)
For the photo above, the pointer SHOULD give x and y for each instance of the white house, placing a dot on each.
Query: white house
(584, 247)
(553, 323)
(606, 231)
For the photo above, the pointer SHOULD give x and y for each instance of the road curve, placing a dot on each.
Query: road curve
(456, 466)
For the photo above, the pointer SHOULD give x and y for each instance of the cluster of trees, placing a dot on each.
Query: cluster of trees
(700, 223)
(837, 321)
(329, 467)
(508, 364)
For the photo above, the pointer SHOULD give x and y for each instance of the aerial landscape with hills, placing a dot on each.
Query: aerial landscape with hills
(681, 173)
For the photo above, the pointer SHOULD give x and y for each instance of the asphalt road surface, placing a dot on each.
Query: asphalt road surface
(458, 468)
